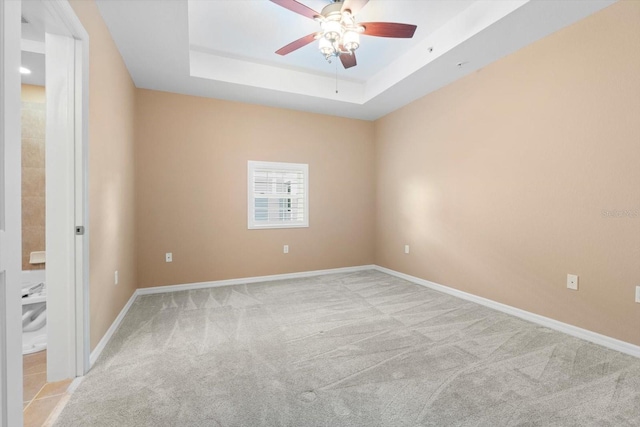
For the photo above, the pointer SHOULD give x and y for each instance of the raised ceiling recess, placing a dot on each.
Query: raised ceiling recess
(226, 49)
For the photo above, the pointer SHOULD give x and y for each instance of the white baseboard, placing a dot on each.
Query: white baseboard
(229, 282)
(202, 285)
(603, 340)
(107, 336)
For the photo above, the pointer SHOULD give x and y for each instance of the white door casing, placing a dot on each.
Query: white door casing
(61, 19)
(10, 216)
(81, 172)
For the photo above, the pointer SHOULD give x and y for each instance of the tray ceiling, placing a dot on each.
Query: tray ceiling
(226, 49)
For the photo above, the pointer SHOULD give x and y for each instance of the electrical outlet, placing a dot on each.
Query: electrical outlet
(285, 249)
(168, 257)
(115, 277)
(572, 282)
(638, 294)
(406, 249)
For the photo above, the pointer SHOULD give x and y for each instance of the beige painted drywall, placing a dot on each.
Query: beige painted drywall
(33, 173)
(503, 182)
(111, 174)
(191, 185)
(33, 93)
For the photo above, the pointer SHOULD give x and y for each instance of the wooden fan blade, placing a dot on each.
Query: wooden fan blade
(354, 5)
(348, 61)
(295, 45)
(389, 29)
(296, 7)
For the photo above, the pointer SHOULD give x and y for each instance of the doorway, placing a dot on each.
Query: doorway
(33, 216)
(64, 42)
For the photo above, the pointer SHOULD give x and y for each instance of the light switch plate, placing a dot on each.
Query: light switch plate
(572, 282)
(168, 257)
(638, 294)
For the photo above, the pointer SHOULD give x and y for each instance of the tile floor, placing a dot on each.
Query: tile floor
(40, 398)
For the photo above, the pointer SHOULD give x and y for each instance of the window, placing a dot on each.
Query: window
(278, 195)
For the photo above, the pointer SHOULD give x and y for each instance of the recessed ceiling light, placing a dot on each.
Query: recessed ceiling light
(25, 70)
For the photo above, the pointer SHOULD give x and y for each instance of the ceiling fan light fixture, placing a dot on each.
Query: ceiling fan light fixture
(339, 35)
(326, 47)
(351, 40)
(332, 30)
(347, 18)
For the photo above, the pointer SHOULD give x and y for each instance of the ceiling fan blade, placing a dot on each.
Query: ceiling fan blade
(295, 45)
(354, 5)
(348, 61)
(296, 7)
(389, 29)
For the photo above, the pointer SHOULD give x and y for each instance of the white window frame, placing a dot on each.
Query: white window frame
(252, 224)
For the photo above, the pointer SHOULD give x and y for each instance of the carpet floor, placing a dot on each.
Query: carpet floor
(353, 349)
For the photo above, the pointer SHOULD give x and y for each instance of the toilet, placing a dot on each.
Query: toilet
(34, 311)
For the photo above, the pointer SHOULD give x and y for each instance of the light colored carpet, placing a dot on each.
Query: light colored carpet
(358, 349)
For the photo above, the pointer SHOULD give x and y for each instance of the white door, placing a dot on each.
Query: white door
(60, 202)
(66, 57)
(10, 222)
(67, 88)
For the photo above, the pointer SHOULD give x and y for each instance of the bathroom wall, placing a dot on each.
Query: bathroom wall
(33, 177)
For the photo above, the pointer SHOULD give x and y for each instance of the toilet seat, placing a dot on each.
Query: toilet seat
(34, 318)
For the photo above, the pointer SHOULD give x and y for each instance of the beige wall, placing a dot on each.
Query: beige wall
(33, 93)
(499, 181)
(33, 173)
(191, 185)
(111, 174)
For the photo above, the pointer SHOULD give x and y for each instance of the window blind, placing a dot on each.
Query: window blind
(278, 195)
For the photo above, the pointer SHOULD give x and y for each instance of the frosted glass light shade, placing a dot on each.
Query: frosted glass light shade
(326, 47)
(332, 30)
(351, 40)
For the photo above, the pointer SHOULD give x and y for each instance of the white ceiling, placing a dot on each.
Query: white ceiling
(226, 48)
(259, 28)
(36, 64)
(33, 35)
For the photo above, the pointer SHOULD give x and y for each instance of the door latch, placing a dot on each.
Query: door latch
(79, 230)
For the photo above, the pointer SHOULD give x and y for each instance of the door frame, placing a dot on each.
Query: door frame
(10, 217)
(63, 16)
(69, 317)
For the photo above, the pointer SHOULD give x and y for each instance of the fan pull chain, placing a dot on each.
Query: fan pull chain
(336, 76)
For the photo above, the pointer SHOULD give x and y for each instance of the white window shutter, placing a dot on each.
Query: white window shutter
(278, 195)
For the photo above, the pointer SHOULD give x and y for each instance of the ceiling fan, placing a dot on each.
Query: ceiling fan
(339, 34)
